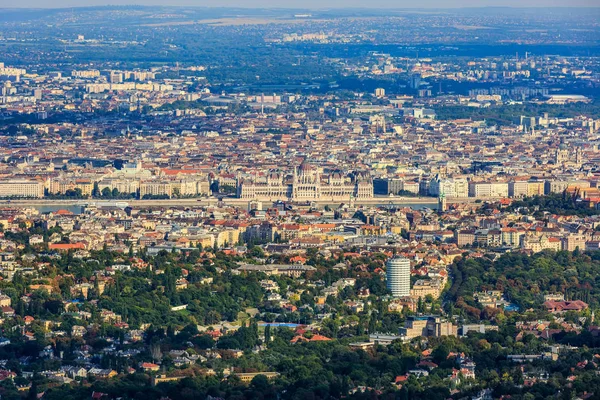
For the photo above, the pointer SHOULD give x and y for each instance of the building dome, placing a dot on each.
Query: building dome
(305, 168)
(307, 173)
(274, 175)
(361, 176)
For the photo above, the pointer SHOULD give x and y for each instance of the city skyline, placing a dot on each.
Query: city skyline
(309, 4)
(242, 204)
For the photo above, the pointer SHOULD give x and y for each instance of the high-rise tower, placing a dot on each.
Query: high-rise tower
(398, 276)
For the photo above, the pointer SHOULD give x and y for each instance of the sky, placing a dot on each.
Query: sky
(318, 4)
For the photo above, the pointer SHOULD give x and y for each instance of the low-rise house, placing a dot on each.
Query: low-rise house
(149, 367)
(75, 371)
(557, 307)
(78, 331)
(102, 373)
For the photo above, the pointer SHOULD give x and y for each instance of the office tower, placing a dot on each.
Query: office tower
(380, 92)
(398, 276)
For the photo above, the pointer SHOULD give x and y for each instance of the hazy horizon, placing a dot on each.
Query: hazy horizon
(307, 4)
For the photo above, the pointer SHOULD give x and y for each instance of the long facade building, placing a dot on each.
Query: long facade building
(21, 188)
(307, 184)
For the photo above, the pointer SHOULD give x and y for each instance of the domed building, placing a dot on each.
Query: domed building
(306, 183)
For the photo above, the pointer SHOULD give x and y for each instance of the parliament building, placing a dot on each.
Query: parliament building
(307, 184)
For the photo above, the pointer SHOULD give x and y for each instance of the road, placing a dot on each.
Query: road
(376, 201)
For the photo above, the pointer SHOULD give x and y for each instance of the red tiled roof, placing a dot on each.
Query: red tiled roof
(66, 246)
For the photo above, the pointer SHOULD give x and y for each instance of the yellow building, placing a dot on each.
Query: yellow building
(163, 378)
(247, 377)
(85, 185)
(157, 188)
(535, 188)
(47, 288)
(229, 236)
(61, 186)
(204, 240)
(422, 288)
(427, 326)
(4, 300)
(149, 225)
(543, 242)
(396, 230)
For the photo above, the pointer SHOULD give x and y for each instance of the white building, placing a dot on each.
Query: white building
(307, 184)
(486, 189)
(518, 188)
(398, 276)
(449, 187)
(21, 188)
